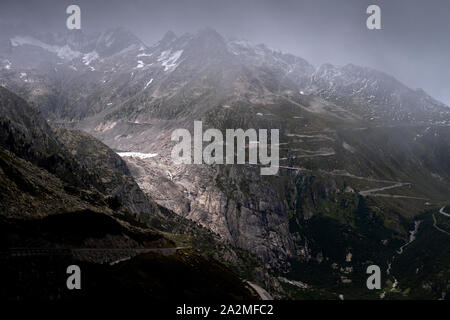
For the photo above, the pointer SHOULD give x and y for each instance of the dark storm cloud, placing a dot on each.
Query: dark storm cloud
(413, 46)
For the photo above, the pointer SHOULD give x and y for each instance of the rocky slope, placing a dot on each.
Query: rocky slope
(360, 153)
(81, 163)
(67, 199)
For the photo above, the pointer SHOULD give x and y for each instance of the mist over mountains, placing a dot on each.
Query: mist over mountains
(410, 45)
(104, 57)
(363, 159)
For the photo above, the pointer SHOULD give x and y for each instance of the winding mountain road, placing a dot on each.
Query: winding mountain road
(441, 211)
(263, 294)
(109, 256)
(371, 192)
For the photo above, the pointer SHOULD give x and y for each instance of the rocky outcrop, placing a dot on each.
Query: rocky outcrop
(83, 164)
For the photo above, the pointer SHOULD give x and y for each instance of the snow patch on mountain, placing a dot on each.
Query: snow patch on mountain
(144, 55)
(89, 57)
(148, 83)
(139, 155)
(8, 64)
(164, 55)
(140, 64)
(168, 60)
(64, 52)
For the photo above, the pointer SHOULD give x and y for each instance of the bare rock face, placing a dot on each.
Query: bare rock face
(256, 222)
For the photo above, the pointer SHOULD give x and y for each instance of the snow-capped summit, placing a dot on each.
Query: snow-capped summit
(203, 63)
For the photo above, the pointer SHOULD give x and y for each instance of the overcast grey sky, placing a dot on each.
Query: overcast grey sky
(413, 46)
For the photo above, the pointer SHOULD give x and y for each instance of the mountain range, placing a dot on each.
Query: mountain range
(363, 158)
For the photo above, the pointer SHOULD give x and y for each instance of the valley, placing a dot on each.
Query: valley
(363, 159)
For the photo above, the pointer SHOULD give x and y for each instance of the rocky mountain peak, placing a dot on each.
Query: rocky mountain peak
(209, 39)
(115, 40)
(168, 37)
